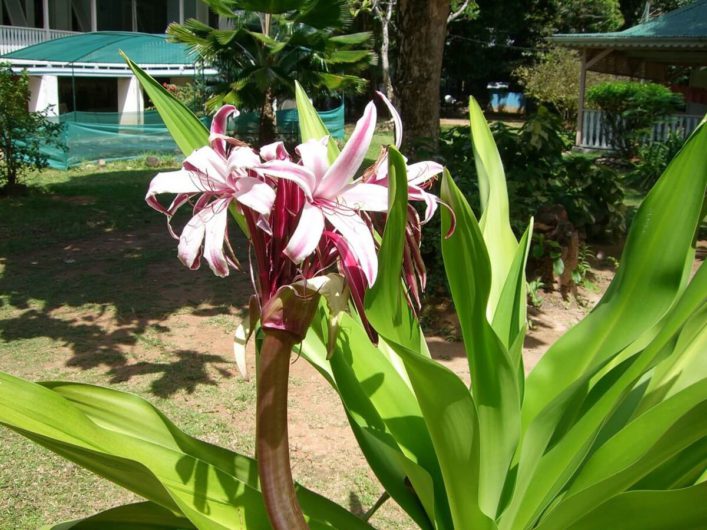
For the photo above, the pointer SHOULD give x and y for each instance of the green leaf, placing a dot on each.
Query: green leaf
(642, 446)
(311, 125)
(139, 516)
(447, 407)
(661, 235)
(379, 403)
(511, 312)
(125, 439)
(682, 509)
(386, 304)
(495, 222)
(186, 129)
(494, 377)
(382, 404)
(545, 469)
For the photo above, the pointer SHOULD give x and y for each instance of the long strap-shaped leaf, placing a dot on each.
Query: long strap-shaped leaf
(138, 516)
(682, 509)
(645, 286)
(495, 220)
(186, 129)
(644, 445)
(123, 438)
(447, 406)
(543, 472)
(384, 416)
(311, 125)
(494, 376)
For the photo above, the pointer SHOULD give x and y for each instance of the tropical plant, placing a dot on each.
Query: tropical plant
(653, 158)
(270, 45)
(553, 81)
(608, 427)
(630, 109)
(22, 133)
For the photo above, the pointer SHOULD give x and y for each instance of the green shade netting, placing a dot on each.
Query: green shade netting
(103, 47)
(92, 136)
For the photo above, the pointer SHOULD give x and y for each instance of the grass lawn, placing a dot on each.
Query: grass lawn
(91, 291)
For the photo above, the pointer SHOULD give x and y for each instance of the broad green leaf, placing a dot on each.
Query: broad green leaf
(378, 403)
(123, 438)
(495, 221)
(186, 129)
(677, 372)
(352, 39)
(139, 516)
(511, 312)
(386, 304)
(447, 407)
(311, 125)
(543, 469)
(494, 377)
(645, 286)
(644, 445)
(683, 509)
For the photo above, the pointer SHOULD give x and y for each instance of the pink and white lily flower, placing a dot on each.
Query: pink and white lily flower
(220, 174)
(332, 196)
(420, 175)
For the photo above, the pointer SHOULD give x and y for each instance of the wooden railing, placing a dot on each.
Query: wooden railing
(596, 136)
(16, 37)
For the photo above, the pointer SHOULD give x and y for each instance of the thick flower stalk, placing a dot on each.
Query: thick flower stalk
(306, 217)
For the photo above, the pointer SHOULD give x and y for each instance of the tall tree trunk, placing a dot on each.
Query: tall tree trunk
(266, 132)
(385, 18)
(422, 27)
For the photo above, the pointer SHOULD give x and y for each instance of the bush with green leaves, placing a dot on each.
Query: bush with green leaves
(539, 172)
(22, 133)
(607, 430)
(653, 158)
(630, 109)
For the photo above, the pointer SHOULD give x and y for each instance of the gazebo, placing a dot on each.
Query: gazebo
(658, 49)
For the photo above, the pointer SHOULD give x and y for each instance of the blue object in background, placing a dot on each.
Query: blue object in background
(503, 101)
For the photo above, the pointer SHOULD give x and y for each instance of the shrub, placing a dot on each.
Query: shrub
(22, 132)
(653, 159)
(631, 109)
(539, 172)
(554, 81)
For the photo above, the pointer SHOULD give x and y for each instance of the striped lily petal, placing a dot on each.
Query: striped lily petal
(287, 170)
(274, 151)
(218, 128)
(396, 119)
(344, 168)
(359, 238)
(255, 194)
(307, 234)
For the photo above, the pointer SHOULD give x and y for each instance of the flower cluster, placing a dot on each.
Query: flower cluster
(304, 215)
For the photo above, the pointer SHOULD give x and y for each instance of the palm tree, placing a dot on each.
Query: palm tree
(270, 44)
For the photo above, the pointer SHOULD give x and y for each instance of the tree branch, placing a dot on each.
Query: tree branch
(458, 12)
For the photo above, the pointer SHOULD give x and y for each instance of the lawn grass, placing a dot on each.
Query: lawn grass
(91, 291)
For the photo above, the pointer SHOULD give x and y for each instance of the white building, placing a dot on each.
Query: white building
(104, 85)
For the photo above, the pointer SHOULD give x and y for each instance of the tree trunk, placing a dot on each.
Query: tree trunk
(422, 27)
(266, 132)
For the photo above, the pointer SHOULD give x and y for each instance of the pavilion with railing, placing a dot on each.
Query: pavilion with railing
(659, 49)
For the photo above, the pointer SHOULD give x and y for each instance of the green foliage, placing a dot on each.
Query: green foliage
(609, 427)
(192, 95)
(553, 80)
(653, 158)
(22, 132)
(539, 172)
(593, 16)
(631, 109)
(271, 45)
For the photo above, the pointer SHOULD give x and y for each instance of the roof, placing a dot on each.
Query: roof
(97, 53)
(684, 28)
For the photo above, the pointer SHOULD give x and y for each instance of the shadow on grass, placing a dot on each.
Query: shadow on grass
(86, 263)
